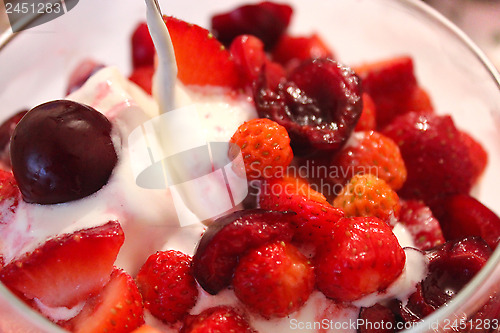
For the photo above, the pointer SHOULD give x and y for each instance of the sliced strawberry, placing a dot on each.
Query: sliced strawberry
(143, 49)
(9, 196)
(292, 50)
(478, 155)
(364, 256)
(266, 20)
(146, 329)
(167, 285)
(421, 223)
(217, 319)
(143, 77)
(117, 308)
(419, 101)
(391, 84)
(201, 58)
(315, 217)
(274, 280)
(67, 269)
(462, 215)
(229, 237)
(367, 121)
(436, 158)
(252, 61)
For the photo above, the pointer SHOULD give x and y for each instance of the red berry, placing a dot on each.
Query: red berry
(363, 257)
(367, 195)
(451, 266)
(143, 49)
(319, 105)
(373, 153)
(266, 20)
(377, 319)
(9, 196)
(273, 280)
(315, 217)
(292, 50)
(201, 58)
(117, 308)
(391, 83)
(62, 151)
(462, 215)
(367, 121)
(167, 285)
(143, 77)
(231, 236)
(477, 153)
(217, 319)
(67, 269)
(421, 224)
(252, 61)
(416, 308)
(265, 148)
(436, 158)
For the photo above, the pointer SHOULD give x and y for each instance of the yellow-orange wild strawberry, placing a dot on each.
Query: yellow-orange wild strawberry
(367, 195)
(265, 148)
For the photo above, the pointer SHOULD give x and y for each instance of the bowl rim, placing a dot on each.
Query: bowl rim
(483, 277)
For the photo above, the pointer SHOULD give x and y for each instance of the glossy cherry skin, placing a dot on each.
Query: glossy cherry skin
(62, 151)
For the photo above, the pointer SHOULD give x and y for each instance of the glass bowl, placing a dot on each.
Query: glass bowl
(35, 65)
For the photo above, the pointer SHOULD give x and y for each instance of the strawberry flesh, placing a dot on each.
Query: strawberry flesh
(68, 269)
(229, 237)
(143, 49)
(201, 58)
(217, 319)
(117, 308)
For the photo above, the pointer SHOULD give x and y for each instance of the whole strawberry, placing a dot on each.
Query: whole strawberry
(274, 280)
(167, 285)
(367, 195)
(370, 152)
(314, 216)
(216, 319)
(265, 147)
(363, 257)
(436, 158)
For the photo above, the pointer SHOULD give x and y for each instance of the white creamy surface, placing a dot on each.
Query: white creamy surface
(145, 212)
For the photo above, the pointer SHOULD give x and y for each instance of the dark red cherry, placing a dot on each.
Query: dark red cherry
(62, 151)
(6, 130)
(319, 104)
(266, 20)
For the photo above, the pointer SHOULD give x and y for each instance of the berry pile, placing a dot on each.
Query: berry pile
(390, 160)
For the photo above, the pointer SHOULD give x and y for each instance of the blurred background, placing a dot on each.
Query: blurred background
(480, 19)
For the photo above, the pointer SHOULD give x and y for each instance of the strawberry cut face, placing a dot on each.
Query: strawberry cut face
(68, 269)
